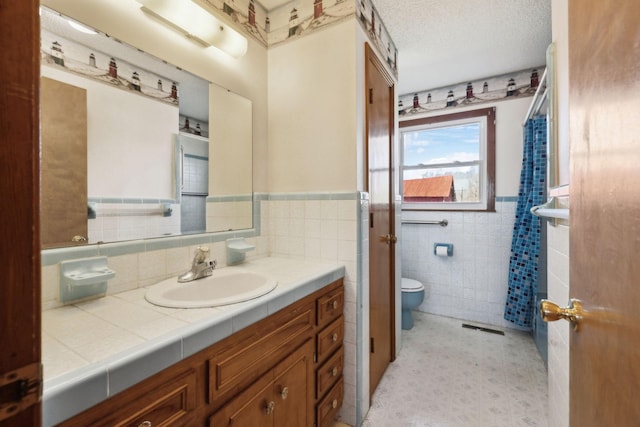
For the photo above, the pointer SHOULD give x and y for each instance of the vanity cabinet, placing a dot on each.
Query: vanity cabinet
(283, 397)
(284, 370)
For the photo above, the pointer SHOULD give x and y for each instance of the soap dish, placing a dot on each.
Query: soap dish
(83, 278)
(237, 249)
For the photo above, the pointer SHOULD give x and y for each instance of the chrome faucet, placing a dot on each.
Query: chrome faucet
(200, 267)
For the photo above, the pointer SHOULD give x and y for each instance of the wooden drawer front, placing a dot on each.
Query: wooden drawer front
(329, 373)
(167, 410)
(329, 406)
(330, 306)
(259, 349)
(330, 338)
(283, 397)
(162, 403)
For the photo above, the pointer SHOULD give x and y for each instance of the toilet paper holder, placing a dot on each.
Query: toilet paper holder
(443, 249)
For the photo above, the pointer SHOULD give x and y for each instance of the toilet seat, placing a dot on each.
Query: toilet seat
(410, 285)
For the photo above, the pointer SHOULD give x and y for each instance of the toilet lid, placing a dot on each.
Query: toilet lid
(410, 285)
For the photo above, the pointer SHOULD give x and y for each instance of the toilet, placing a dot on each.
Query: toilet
(412, 297)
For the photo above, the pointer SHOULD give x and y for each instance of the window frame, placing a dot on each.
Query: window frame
(487, 174)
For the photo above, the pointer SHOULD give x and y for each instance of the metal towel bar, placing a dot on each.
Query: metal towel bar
(442, 222)
(548, 210)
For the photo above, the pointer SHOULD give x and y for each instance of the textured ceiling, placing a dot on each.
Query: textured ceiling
(444, 42)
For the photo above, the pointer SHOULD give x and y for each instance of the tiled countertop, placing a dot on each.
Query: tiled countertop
(95, 349)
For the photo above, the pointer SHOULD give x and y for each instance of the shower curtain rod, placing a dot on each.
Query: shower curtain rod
(538, 98)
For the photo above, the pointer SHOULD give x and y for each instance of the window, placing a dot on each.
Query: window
(448, 161)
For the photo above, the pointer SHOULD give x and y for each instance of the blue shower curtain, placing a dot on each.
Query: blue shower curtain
(525, 243)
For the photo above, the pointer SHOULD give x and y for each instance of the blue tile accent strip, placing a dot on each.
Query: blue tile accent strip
(231, 198)
(507, 199)
(315, 196)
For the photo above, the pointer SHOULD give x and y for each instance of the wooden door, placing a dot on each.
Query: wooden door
(380, 96)
(19, 217)
(63, 171)
(604, 79)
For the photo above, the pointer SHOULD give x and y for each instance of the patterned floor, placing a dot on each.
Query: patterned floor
(450, 376)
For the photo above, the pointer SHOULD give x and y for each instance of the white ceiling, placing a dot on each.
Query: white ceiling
(444, 42)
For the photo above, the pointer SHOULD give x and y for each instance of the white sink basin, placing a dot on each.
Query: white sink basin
(224, 286)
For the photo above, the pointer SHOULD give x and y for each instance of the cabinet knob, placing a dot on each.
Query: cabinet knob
(334, 371)
(269, 407)
(284, 393)
(335, 304)
(334, 337)
(145, 424)
(334, 404)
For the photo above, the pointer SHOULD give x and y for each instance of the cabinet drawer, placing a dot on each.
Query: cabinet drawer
(161, 404)
(329, 373)
(329, 406)
(255, 350)
(330, 306)
(330, 338)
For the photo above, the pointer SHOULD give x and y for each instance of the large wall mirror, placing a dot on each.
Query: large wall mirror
(134, 147)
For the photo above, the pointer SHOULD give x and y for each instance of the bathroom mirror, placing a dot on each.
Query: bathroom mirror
(134, 147)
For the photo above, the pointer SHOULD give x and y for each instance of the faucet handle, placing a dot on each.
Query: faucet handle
(201, 254)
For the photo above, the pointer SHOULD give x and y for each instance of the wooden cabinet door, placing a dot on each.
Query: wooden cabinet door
(293, 389)
(252, 408)
(266, 403)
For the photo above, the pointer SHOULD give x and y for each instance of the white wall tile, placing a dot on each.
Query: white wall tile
(478, 270)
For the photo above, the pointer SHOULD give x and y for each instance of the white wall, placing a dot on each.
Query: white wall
(229, 143)
(126, 134)
(312, 107)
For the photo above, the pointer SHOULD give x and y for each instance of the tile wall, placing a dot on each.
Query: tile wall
(118, 220)
(471, 284)
(558, 291)
(324, 227)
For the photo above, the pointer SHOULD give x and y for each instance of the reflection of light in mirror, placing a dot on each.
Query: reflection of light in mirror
(197, 24)
(80, 27)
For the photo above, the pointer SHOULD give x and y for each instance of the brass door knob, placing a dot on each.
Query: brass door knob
(284, 393)
(334, 371)
(334, 337)
(269, 407)
(388, 239)
(551, 312)
(335, 305)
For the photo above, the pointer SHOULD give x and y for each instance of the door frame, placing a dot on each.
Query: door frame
(371, 58)
(20, 293)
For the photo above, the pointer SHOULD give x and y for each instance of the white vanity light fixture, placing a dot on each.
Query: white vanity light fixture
(197, 24)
